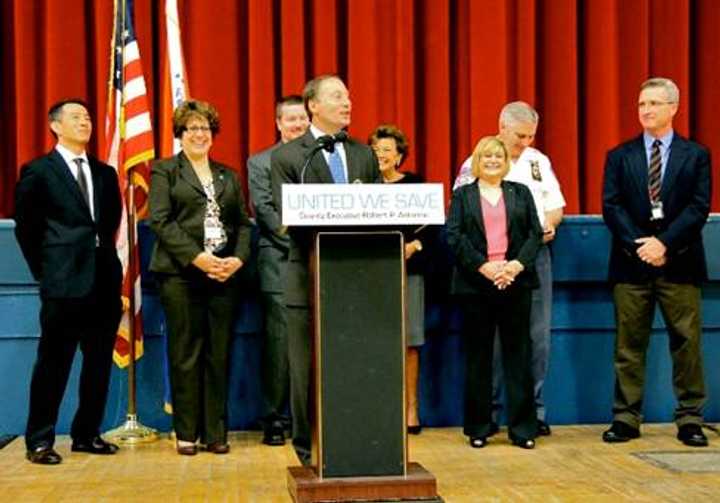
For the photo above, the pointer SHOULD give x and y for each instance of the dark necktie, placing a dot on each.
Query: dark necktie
(82, 180)
(654, 172)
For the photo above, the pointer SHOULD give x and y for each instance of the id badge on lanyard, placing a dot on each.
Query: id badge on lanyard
(656, 210)
(213, 229)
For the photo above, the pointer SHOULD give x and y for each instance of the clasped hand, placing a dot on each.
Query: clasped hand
(651, 251)
(501, 272)
(216, 268)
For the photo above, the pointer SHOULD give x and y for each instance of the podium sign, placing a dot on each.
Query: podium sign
(332, 205)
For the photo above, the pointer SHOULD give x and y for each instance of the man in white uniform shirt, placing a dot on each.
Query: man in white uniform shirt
(517, 128)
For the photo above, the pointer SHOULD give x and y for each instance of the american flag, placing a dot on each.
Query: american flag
(130, 147)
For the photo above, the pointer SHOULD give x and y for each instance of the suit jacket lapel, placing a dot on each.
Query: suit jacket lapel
(220, 178)
(187, 173)
(678, 153)
(639, 169)
(97, 187)
(510, 198)
(473, 204)
(353, 162)
(62, 171)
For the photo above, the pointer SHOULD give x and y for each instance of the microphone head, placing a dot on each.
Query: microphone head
(327, 142)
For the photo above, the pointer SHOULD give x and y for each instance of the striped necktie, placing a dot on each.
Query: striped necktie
(654, 172)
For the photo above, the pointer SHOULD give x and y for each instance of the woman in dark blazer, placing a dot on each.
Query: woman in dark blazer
(494, 233)
(197, 211)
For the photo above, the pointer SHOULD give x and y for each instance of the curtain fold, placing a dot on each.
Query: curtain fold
(440, 69)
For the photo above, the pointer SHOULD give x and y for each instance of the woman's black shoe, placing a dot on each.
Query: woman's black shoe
(478, 442)
(414, 430)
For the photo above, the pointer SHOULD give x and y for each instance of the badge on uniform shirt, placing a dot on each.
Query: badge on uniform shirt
(535, 171)
(656, 211)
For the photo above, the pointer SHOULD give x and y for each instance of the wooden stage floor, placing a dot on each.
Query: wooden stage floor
(571, 465)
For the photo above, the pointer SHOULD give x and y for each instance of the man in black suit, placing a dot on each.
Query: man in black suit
(292, 122)
(343, 160)
(656, 199)
(68, 209)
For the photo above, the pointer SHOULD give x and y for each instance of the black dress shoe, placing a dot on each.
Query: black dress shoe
(44, 456)
(94, 446)
(274, 433)
(620, 432)
(525, 443)
(692, 435)
(478, 442)
(414, 430)
(543, 429)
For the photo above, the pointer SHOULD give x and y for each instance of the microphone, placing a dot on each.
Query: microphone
(326, 142)
(341, 137)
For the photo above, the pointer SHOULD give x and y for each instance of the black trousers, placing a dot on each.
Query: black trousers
(199, 313)
(275, 379)
(508, 312)
(90, 322)
(300, 363)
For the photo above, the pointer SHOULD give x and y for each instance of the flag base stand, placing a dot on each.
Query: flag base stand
(132, 432)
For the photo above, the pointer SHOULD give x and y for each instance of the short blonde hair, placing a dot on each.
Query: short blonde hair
(486, 144)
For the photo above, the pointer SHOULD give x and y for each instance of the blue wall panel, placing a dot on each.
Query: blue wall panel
(580, 381)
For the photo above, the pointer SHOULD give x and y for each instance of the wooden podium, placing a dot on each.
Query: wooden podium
(358, 400)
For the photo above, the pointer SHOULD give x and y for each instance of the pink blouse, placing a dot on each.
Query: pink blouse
(495, 222)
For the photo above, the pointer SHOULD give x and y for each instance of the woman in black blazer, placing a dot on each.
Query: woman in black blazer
(197, 211)
(494, 233)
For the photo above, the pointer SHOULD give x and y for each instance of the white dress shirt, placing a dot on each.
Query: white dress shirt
(68, 157)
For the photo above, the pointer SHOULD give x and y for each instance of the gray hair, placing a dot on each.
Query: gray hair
(518, 112)
(312, 89)
(671, 88)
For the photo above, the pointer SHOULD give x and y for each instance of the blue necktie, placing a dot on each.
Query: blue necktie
(337, 170)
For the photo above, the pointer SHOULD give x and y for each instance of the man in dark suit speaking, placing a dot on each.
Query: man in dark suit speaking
(656, 199)
(342, 160)
(68, 209)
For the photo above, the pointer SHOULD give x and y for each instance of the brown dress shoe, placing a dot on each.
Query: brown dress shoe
(186, 450)
(44, 456)
(218, 447)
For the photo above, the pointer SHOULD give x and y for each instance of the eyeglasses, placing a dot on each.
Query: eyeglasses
(654, 104)
(197, 129)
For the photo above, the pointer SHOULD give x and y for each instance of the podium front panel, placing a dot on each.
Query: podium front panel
(360, 354)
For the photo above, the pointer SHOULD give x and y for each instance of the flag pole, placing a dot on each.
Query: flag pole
(132, 431)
